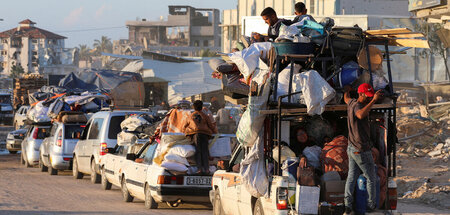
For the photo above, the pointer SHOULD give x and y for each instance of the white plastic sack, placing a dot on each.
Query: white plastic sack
(283, 83)
(221, 147)
(125, 138)
(253, 170)
(252, 121)
(176, 158)
(286, 152)
(312, 155)
(379, 82)
(247, 60)
(316, 91)
(182, 150)
(133, 122)
(174, 166)
(38, 113)
(287, 32)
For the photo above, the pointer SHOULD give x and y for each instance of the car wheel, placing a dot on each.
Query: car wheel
(76, 174)
(106, 185)
(149, 201)
(25, 161)
(42, 167)
(51, 170)
(12, 152)
(217, 207)
(258, 209)
(95, 178)
(22, 161)
(126, 196)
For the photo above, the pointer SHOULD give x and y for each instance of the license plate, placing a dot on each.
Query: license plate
(198, 180)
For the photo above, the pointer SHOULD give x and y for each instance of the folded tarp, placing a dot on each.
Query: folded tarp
(98, 79)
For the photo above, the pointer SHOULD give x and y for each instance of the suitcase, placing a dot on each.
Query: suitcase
(346, 41)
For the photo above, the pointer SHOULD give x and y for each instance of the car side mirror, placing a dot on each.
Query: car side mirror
(131, 157)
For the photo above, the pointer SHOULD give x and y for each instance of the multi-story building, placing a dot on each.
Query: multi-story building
(30, 47)
(186, 32)
(232, 24)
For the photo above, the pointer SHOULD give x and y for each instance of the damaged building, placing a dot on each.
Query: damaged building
(35, 49)
(186, 32)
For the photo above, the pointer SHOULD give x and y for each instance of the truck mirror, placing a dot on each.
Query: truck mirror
(131, 156)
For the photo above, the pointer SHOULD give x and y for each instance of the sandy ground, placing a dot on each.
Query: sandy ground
(28, 191)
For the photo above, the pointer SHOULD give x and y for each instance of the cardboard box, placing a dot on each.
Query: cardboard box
(333, 191)
(307, 199)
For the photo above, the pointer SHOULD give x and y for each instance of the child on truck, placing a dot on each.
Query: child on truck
(200, 128)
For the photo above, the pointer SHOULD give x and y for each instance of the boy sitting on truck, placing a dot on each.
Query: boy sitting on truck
(200, 128)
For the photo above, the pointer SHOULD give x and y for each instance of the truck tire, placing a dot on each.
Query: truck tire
(95, 178)
(149, 203)
(25, 161)
(126, 196)
(258, 209)
(22, 161)
(106, 185)
(217, 206)
(42, 167)
(76, 174)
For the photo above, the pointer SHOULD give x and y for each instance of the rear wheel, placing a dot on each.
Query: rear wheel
(95, 178)
(106, 185)
(22, 161)
(258, 209)
(25, 161)
(149, 201)
(217, 207)
(126, 196)
(76, 174)
(12, 152)
(51, 170)
(42, 167)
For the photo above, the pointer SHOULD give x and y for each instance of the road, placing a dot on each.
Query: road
(29, 191)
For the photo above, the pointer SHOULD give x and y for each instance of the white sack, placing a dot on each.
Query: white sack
(176, 159)
(38, 113)
(312, 155)
(221, 148)
(252, 121)
(283, 83)
(125, 138)
(253, 170)
(133, 122)
(316, 91)
(182, 150)
(247, 60)
(174, 166)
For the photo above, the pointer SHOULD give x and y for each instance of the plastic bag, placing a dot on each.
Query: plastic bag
(182, 150)
(312, 155)
(125, 138)
(252, 121)
(176, 158)
(133, 122)
(287, 32)
(283, 83)
(174, 166)
(316, 91)
(38, 113)
(247, 60)
(286, 152)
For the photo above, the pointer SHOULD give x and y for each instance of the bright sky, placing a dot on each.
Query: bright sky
(75, 19)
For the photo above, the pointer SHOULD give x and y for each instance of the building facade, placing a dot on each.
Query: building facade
(186, 32)
(232, 19)
(32, 48)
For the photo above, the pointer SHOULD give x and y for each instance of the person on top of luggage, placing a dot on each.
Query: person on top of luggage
(359, 148)
(200, 128)
(301, 13)
(270, 17)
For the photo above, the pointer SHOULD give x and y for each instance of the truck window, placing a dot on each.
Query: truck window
(148, 153)
(53, 130)
(95, 129)
(43, 133)
(238, 157)
(114, 127)
(73, 130)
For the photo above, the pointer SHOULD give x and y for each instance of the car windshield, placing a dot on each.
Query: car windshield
(73, 131)
(5, 99)
(114, 127)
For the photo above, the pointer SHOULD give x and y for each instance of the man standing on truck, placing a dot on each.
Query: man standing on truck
(200, 128)
(359, 148)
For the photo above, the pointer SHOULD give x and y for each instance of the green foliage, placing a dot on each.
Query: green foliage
(16, 71)
(84, 52)
(103, 45)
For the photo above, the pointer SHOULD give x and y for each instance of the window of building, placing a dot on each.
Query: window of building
(205, 43)
(312, 6)
(34, 41)
(34, 52)
(196, 43)
(4, 52)
(5, 41)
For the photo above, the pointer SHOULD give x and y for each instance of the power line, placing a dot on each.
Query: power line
(90, 29)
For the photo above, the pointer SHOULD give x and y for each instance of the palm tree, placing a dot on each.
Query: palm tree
(83, 52)
(103, 45)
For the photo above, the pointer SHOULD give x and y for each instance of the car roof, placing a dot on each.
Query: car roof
(115, 113)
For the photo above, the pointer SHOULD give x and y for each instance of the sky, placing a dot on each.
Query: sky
(83, 21)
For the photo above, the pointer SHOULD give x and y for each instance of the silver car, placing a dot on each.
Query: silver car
(14, 140)
(56, 151)
(20, 116)
(31, 143)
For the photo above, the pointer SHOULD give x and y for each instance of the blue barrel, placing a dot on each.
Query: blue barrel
(349, 73)
(361, 195)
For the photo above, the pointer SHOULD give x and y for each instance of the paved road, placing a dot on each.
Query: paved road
(28, 191)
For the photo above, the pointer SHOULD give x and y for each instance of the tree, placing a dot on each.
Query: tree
(16, 71)
(83, 52)
(436, 45)
(103, 45)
